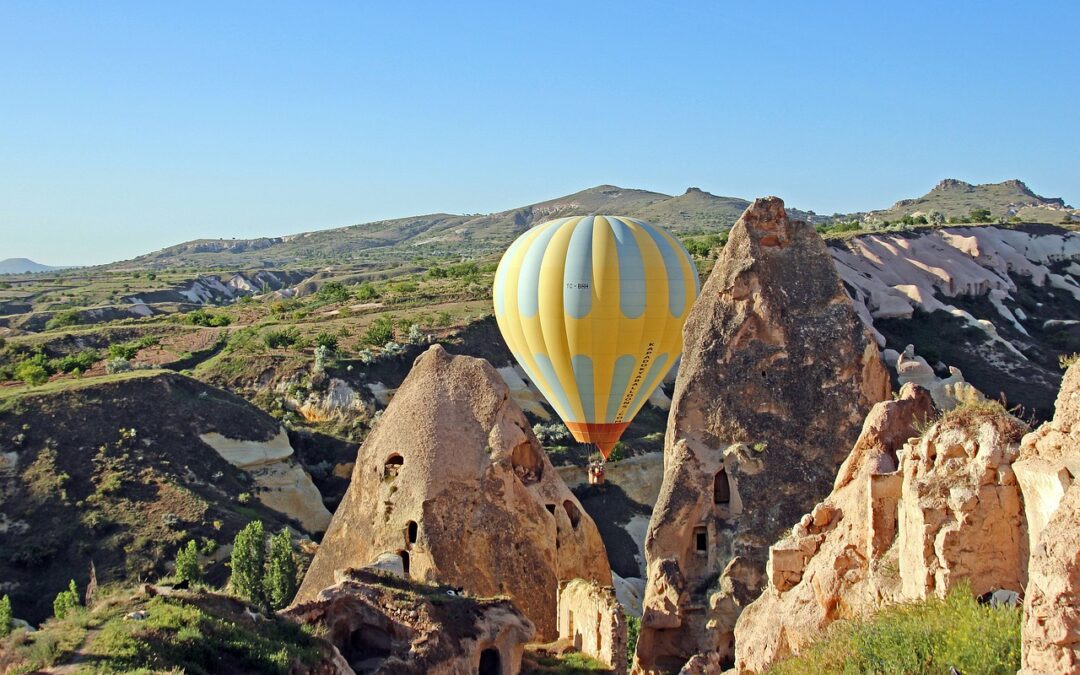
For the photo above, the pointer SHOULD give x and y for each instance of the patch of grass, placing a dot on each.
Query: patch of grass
(926, 637)
(970, 415)
(572, 663)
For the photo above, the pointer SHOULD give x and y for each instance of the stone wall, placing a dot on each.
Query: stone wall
(591, 617)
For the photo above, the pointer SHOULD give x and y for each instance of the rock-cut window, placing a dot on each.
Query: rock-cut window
(721, 488)
(393, 465)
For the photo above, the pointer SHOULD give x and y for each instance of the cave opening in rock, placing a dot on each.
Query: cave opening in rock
(367, 648)
(701, 539)
(721, 488)
(412, 531)
(393, 465)
(490, 663)
(404, 562)
(550, 508)
(572, 512)
(526, 462)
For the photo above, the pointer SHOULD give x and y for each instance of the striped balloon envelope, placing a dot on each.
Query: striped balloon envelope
(592, 308)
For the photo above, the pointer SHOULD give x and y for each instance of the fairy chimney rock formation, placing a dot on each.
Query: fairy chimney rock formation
(1047, 470)
(776, 378)
(452, 480)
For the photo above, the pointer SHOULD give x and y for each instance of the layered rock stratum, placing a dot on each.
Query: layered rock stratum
(777, 376)
(453, 481)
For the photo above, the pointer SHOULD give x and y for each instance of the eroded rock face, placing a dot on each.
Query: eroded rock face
(909, 517)
(593, 620)
(777, 376)
(1047, 471)
(384, 625)
(452, 479)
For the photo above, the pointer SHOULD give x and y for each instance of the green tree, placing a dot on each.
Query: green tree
(980, 215)
(187, 563)
(248, 563)
(281, 571)
(333, 291)
(366, 292)
(32, 373)
(5, 616)
(66, 601)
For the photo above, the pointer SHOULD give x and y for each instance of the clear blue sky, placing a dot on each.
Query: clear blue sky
(127, 127)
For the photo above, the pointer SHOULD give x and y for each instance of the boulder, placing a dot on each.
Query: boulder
(777, 375)
(909, 517)
(384, 625)
(452, 480)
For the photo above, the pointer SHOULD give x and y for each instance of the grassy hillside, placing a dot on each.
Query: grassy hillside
(955, 199)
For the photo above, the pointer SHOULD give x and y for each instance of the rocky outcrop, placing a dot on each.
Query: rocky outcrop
(453, 480)
(908, 518)
(776, 378)
(947, 392)
(282, 483)
(1051, 630)
(384, 625)
(1047, 471)
(593, 621)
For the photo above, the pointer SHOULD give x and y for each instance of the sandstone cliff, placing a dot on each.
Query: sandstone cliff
(907, 519)
(1047, 471)
(452, 480)
(776, 378)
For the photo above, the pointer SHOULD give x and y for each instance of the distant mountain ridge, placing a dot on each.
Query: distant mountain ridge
(1007, 199)
(23, 266)
(392, 243)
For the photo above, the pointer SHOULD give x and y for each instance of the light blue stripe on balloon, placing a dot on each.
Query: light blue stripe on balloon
(500, 275)
(577, 275)
(583, 375)
(673, 268)
(656, 373)
(562, 404)
(620, 377)
(631, 270)
(529, 281)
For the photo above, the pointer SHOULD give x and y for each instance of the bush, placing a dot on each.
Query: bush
(187, 563)
(66, 601)
(118, 365)
(926, 637)
(980, 215)
(281, 571)
(201, 317)
(551, 434)
(367, 292)
(82, 361)
(379, 332)
(416, 335)
(328, 340)
(31, 373)
(124, 350)
(332, 291)
(323, 355)
(68, 317)
(279, 339)
(248, 563)
(5, 616)
(392, 348)
(633, 629)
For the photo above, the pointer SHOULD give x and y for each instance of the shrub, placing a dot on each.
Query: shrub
(932, 636)
(1066, 360)
(83, 361)
(248, 563)
(416, 335)
(367, 292)
(118, 365)
(124, 350)
(187, 563)
(633, 629)
(31, 373)
(5, 616)
(281, 571)
(551, 434)
(379, 332)
(323, 354)
(66, 601)
(278, 339)
(443, 319)
(68, 317)
(980, 215)
(201, 317)
(328, 340)
(392, 348)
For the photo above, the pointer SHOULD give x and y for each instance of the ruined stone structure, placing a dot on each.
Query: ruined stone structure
(1047, 472)
(777, 376)
(908, 518)
(453, 481)
(592, 619)
(384, 625)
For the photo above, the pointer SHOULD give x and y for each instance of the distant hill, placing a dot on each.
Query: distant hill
(22, 266)
(1008, 199)
(391, 242)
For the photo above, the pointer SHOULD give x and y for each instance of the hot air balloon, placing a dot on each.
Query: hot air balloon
(592, 308)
